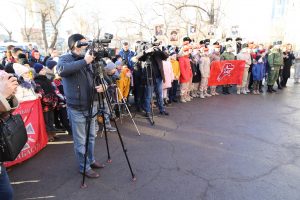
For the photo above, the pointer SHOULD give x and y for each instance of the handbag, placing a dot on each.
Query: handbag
(13, 137)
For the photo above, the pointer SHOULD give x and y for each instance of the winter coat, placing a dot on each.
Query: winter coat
(258, 71)
(126, 56)
(214, 56)
(227, 56)
(169, 75)
(288, 62)
(275, 58)
(185, 69)
(246, 57)
(25, 94)
(124, 83)
(77, 79)
(205, 67)
(176, 69)
(47, 90)
(156, 63)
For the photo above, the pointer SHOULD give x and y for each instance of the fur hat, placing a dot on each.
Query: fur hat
(20, 69)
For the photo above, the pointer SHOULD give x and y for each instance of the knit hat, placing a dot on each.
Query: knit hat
(110, 66)
(118, 63)
(51, 64)
(73, 39)
(20, 69)
(38, 67)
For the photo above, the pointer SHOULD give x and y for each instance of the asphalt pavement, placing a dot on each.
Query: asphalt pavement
(234, 147)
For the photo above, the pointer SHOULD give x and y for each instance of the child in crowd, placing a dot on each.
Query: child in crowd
(176, 72)
(195, 64)
(258, 71)
(124, 82)
(25, 90)
(169, 77)
(185, 70)
(49, 99)
(205, 73)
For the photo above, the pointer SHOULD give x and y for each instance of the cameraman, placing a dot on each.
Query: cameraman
(77, 77)
(154, 57)
(8, 102)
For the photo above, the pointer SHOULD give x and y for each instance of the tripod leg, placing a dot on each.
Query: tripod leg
(87, 128)
(106, 140)
(131, 116)
(125, 151)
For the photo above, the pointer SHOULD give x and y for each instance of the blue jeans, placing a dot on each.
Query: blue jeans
(6, 191)
(78, 125)
(157, 83)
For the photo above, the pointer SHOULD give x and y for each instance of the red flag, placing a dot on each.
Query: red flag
(226, 72)
(32, 114)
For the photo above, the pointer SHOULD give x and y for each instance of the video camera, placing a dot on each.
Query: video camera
(144, 45)
(98, 47)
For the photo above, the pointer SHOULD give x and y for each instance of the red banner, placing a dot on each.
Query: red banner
(226, 72)
(32, 114)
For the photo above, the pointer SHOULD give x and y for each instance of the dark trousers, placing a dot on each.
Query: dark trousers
(284, 81)
(173, 90)
(6, 191)
(63, 117)
(49, 120)
(138, 88)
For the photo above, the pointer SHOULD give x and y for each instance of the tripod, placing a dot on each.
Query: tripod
(98, 79)
(118, 104)
(149, 86)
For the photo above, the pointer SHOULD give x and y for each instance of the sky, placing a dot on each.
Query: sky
(252, 16)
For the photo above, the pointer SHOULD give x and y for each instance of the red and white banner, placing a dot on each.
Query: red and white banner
(32, 114)
(226, 72)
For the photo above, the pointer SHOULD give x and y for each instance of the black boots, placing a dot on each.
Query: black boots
(271, 89)
(225, 90)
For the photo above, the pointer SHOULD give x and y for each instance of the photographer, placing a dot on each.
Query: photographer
(8, 102)
(154, 56)
(77, 77)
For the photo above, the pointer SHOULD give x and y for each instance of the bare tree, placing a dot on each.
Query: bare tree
(9, 32)
(27, 32)
(48, 13)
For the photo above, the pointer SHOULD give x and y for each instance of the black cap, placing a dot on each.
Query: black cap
(187, 39)
(207, 41)
(238, 39)
(227, 39)
(201, 42)
(216, 43)
(73, 39)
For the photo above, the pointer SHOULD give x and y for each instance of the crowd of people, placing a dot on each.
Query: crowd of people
(176, 74)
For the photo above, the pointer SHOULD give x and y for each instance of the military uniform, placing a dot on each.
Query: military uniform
(227, 56)
(275, 60)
